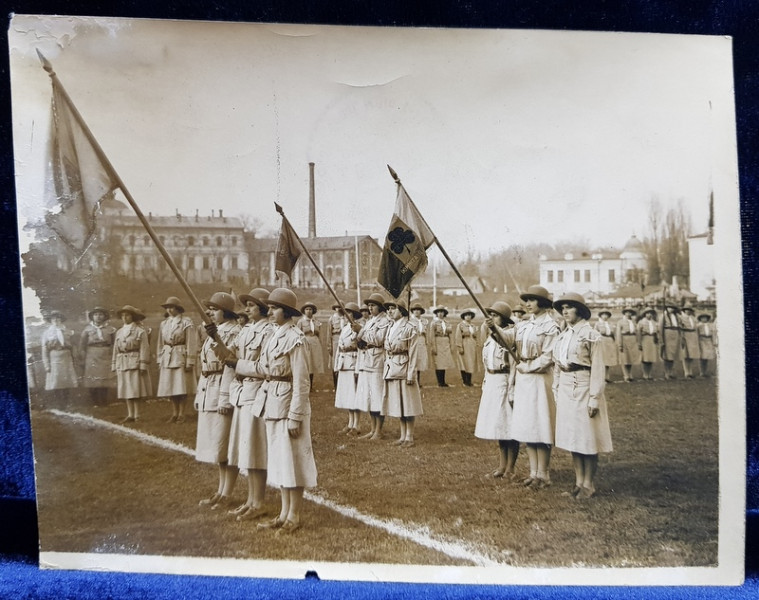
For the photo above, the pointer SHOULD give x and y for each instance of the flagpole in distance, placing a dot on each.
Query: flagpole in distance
(494, 332)
(120, 184)
(347, 313)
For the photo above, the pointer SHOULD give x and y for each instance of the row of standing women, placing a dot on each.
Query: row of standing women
(549, 390)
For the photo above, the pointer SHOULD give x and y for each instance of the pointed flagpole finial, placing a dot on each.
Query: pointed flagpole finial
(394, 174)
(279, 209)
(45, 63)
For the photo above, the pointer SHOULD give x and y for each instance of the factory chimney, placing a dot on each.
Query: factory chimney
(311, 202)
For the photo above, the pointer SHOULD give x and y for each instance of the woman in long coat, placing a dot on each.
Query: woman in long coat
(212, 399)
(690, 346)
(439, 340)
(608, 343)
(402, 398)
(177, 353)
(534, 408)
(495, 414)
(422, 352)
(334, 327)
(131, 355)
(96, 350)
(627, 341)
(346, 358)
(582, 420)
(670, 338)
(465, 339)
(648, 342)
(311, 328)
(284, 402)
(58, 359)
(707, 342)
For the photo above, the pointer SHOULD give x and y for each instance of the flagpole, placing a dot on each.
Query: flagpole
(120, 184)
(347, 313)
(493, 329)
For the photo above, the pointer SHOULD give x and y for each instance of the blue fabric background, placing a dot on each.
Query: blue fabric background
(19, 575)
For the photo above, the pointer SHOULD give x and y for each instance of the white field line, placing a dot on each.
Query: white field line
(414, 533)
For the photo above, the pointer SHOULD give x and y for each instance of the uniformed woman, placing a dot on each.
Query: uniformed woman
(688, 325)
(422, 352)
(212, 399)
(534, 408)
(465, 339)
(96, 350)
(627, 342)
(131, 354)
(311, 328)
(648, 342)
(495, 414)
(608, 343)
(582, 421)
(671, 338)
(58, 359)
(346, 358)
(439, 339)
(707, 342)
(287, 411)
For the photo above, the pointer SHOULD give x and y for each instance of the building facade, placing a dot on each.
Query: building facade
(594, 274)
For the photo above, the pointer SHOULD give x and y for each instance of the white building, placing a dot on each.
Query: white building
(594, 274)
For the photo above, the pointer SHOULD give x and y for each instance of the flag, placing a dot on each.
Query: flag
(710, 233)
(288, 249)
(80, 179)
(405, 251)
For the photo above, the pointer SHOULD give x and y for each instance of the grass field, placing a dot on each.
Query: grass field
(100, 490)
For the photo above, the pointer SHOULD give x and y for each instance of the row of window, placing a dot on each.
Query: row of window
(180, 241)
(580, 275)
(197, 262)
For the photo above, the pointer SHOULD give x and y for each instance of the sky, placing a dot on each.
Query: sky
(499, 136)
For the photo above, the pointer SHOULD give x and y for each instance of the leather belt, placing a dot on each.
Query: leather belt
(628, 334)
(572, 367)
(609, 334)
(207, 373)
(174, 345)
(498, 371)
(396, 353)
(675, 328)
(279, 378)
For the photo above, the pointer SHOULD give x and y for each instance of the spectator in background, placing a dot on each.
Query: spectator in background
(608, 342)
(439, 340)
(690, 346)
(707, 342)
(177, 353)
(648, 342)
(627, 340)
(58, 359)
(311, 328)
(96, 350)
(670, 338)
(465, 338)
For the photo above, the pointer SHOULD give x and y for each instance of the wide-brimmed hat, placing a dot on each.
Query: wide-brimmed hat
(651, 310)
(417, 306)
(173, 301)
(136, 313)
(502, 309)
(467, 311)
(98, 309)
(400, 304)
(539, 293)
(222, 301)
(629, 309)
(671, 304)
(258, 296)
(308, 305)
(364, 309)
(335, 306)
(354, 309)
(286, 299)
(55, 314)
(518, 308)
(704, 317)
(376, 299)
(442, 309)
(605, 311)
(688, 306)
(573, 299)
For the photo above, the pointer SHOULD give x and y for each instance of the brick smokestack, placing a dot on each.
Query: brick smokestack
(311, 202)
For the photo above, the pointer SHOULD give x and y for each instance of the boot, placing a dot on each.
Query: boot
(440, 374)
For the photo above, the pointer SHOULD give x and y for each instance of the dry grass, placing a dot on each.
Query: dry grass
(656, 505)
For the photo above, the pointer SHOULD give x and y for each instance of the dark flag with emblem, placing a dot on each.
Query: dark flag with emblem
(288, 248)
(81, 180)
(405, 251)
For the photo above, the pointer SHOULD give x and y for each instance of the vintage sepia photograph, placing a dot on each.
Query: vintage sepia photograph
(382, 304)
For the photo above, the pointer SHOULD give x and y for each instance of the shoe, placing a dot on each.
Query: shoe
(210, 501)
(344, 430)
(585, 493)
(274, 523)
(498, 473)
(239, 510)
(222, 502)
(287, 528)
(128, 420)
(540, 484)
(366, 436)
(397, 443)
(408, 444)
(575, 490)
(528, 482)
(252, 513)
(353, 432)
(180, 420)
(172, 419)
(443, 385)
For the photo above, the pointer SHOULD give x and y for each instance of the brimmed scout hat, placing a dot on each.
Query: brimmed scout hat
(354, 309)
(573, 299)
(400, 304)
(335, 306)
(222, 301)
(502, 309)
(56, 314)
(135, 312)
(539, 293)
(98, 309)
(688, 307)
(704, 317)
(467, 311)
(417, 306)
(308, 305)
(286, 299)
(630, 310)
(258, 296)
(173, 301)
(377, 299)
(671, 304)
(441, 309)
(518, 309)
(605, 311)
(649, 310)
